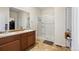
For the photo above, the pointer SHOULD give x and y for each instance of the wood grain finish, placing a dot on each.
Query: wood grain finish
(24, 41)
(18, 42)
(9, 39)
(11, 46)
(31, 39)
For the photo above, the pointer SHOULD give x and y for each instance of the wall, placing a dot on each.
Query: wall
(55, 17)
(75, 29)
(68, 18)
(4, 16)
(46, 21)
(60, 26)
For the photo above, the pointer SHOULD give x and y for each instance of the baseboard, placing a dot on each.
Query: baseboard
(59, 45)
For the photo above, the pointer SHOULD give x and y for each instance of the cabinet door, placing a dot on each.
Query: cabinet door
(31, 40)
(23, 41)
(11, 46)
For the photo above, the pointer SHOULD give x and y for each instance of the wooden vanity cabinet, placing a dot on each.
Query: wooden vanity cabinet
(19, 42)
(10, 43)
(27, 40)
(31, 38)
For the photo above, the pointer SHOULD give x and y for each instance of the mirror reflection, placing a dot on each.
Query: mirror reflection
(19, 20)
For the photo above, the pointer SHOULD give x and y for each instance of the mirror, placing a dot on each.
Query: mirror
(18, 19)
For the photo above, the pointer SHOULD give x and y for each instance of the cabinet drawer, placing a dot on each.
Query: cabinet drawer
(11, 46)
(8, 39)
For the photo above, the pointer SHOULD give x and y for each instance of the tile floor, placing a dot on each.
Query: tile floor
(40, 46)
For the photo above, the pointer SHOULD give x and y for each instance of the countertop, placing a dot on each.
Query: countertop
(5, 34)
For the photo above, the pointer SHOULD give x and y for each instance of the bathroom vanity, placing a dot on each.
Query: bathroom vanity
(17, 41)
(12, 39)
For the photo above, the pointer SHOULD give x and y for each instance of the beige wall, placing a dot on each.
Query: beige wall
(4, 16)
(60, 26)
(46, 27)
